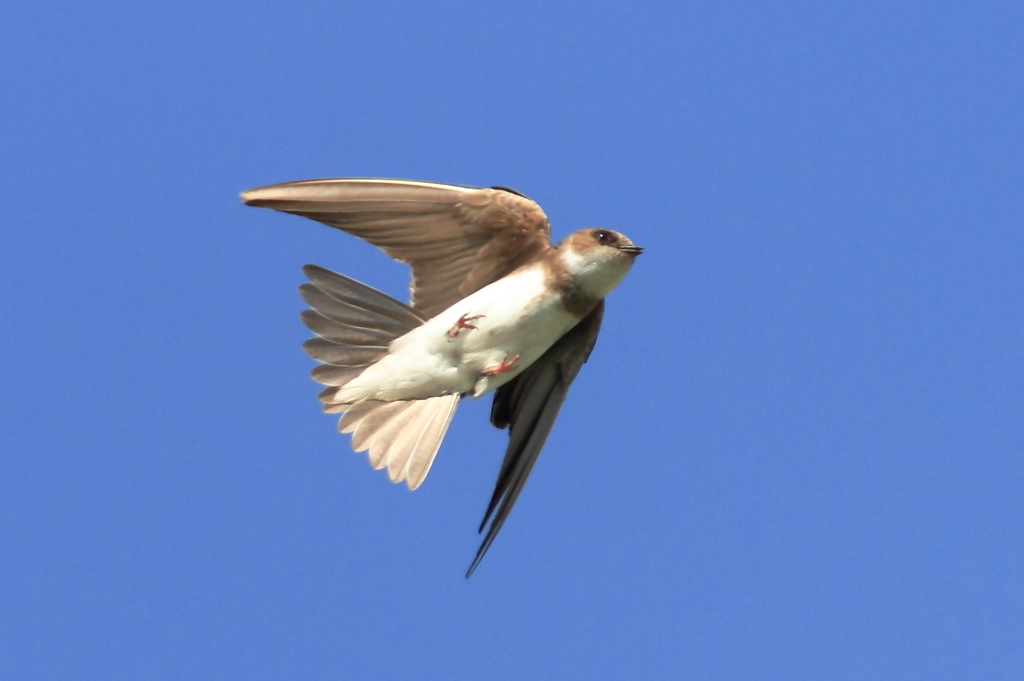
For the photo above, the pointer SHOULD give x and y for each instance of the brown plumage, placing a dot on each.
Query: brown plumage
(458, 241)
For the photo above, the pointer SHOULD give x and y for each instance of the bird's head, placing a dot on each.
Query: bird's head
(598, 259)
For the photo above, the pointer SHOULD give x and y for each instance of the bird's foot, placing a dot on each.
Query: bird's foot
(503, 368)
(462, 323)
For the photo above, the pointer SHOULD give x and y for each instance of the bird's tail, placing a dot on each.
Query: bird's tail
(354, 325)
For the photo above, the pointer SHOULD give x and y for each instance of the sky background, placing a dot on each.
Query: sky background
(796, 452)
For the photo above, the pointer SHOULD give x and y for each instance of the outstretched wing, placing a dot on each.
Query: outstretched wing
(528, 405)
(456, 239)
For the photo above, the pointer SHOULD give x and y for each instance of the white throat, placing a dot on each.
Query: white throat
(597, 271)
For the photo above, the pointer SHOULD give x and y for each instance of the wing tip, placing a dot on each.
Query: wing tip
(474, 565)
(251, 197)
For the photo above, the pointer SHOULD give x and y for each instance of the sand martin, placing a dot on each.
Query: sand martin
(495, 307)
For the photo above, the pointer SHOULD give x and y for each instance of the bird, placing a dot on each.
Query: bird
(494, 307)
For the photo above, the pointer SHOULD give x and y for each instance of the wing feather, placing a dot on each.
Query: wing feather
(456, 239)
(528, 406)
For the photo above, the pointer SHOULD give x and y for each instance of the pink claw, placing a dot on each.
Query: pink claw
(463, 323)
(503, 368)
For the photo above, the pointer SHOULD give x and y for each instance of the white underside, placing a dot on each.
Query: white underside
(521, 316)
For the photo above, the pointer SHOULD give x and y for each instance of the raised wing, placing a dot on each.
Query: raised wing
(456, 239)
(528, 406)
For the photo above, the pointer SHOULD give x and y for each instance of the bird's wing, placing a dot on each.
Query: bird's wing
(528, 405)
(456, 239)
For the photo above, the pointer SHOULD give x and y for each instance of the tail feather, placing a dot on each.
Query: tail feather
(362, 437)
(340, 354)
(349, 335)
(407, 443)
(335, 376)
(350, 315)
(404, 437)
(439, 417)
(362, 296)
(387, 434)
(353, 413)
(355, 325)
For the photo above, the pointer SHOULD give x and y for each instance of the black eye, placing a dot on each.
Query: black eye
(603, 236)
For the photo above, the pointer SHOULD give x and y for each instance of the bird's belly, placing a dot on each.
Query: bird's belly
(511, 336)
(516, 318)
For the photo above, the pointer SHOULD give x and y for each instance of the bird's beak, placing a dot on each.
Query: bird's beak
(632, 250)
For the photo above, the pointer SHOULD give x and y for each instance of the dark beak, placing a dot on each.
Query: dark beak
(632, 250)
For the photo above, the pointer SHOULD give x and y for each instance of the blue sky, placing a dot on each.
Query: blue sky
(796, 452)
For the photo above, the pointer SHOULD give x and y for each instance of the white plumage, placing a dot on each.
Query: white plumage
(518, 316)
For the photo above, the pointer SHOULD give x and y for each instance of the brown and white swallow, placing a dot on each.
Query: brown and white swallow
(494, 307)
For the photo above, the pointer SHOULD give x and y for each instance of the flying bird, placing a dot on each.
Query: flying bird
(494, 307)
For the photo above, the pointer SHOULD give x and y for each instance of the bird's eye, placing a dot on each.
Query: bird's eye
(602, 236)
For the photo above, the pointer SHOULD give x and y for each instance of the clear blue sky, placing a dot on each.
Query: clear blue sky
(796, 453)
